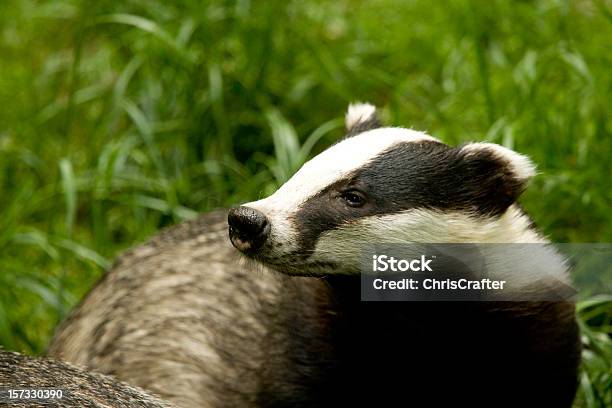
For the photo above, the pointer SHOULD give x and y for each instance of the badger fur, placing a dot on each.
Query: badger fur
(281, 324)
(79, 388)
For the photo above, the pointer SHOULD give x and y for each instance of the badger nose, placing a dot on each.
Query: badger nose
(248, 228)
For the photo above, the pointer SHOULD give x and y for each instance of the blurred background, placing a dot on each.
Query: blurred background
(119, 118)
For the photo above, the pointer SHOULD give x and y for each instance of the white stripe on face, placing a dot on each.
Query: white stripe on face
(334, 164)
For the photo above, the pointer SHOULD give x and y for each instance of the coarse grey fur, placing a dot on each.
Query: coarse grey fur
(80, 388)
(181, 316)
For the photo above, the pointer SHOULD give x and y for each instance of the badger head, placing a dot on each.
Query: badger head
(384, 184)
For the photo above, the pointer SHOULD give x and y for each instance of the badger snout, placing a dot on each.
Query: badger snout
(248, 228)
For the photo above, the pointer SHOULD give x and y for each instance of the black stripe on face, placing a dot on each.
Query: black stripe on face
(410, 175)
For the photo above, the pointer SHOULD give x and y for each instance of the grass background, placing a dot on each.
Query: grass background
(118, 118)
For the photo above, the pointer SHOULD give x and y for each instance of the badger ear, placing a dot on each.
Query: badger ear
(361, 117)
(497, 174)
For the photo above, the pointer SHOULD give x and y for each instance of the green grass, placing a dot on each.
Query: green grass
(122, 117)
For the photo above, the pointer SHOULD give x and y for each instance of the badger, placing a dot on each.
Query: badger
(272, 317)
(66, 386)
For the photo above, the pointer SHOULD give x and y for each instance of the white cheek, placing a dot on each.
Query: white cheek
(348, 241)
(427, 226)
(344, 245)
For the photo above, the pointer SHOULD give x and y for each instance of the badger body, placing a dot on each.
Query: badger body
(280, 321)
(79, 388)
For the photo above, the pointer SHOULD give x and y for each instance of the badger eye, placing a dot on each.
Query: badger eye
(353, 198)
